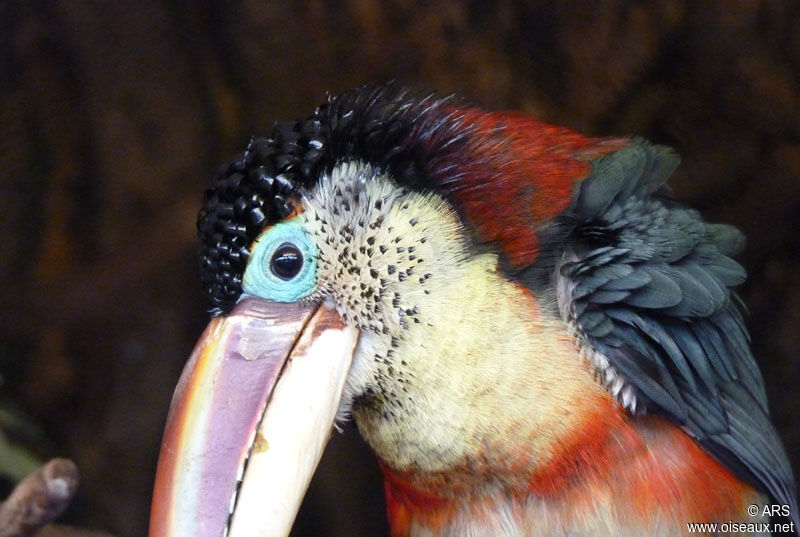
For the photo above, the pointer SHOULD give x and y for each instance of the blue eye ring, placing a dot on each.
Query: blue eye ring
(283, 264)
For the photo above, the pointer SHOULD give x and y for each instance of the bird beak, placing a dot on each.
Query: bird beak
(249, 419)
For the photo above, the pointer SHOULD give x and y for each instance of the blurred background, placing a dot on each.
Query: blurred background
(115, 115)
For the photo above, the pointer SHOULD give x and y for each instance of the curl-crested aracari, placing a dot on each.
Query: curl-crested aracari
(533, 336)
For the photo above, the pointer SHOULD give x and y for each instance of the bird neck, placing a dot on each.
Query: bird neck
(487, 376)
(643, 477)
(495, 491)
(500, 417)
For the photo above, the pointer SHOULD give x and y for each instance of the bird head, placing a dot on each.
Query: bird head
(385, 258)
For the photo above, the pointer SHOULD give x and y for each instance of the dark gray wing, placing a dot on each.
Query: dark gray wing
(647, 283)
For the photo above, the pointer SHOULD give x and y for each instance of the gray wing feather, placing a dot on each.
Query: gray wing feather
(647, 283)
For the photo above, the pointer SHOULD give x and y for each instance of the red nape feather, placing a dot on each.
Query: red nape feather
(513, 174)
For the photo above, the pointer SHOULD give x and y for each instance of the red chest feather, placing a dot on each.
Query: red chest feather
(627, 472)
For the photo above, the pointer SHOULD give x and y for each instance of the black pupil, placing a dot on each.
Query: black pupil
(286, 261)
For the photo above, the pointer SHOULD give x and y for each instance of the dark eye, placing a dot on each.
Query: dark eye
(286, 261)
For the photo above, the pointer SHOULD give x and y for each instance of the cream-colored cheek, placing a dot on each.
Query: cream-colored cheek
(455, 364)
(489, 379)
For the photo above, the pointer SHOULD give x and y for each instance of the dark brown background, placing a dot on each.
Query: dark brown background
(115, 115)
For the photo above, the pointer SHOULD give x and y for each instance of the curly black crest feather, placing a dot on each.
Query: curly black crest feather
(374, 124)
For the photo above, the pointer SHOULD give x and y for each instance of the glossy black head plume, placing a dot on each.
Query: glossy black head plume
(251, 192)
(375, 124)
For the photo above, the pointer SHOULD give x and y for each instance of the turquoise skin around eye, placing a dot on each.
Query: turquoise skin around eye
(258, 277)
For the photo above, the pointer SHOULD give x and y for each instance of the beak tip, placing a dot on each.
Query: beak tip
(219, 420)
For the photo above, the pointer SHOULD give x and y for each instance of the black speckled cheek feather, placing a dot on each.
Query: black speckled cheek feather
(375, 124)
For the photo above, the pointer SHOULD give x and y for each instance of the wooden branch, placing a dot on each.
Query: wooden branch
(39, 498)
